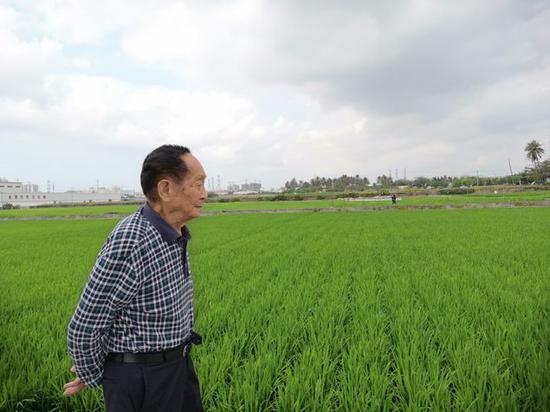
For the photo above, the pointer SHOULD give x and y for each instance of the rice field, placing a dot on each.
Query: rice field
(415, 310)
(437, 200)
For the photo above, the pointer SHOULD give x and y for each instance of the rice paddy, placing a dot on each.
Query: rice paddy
(415, 310)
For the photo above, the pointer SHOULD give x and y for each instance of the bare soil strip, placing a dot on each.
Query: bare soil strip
(544, 203)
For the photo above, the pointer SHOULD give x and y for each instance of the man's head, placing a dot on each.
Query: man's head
(173, 177)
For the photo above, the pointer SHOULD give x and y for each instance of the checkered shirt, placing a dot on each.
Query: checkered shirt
(138, 297)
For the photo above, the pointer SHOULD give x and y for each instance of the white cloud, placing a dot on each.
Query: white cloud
(80, 21)
(24, 63)
(271, 90)
(108, 110)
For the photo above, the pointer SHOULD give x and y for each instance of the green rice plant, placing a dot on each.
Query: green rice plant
(408, 310)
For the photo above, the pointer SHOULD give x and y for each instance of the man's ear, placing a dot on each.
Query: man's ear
(163, 189)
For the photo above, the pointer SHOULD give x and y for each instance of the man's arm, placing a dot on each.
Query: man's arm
(112, 284)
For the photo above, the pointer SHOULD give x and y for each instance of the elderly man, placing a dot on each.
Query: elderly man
(131, 331)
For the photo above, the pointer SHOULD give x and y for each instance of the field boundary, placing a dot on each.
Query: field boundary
(544, 203)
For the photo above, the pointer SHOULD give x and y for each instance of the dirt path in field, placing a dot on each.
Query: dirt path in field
(545, 203)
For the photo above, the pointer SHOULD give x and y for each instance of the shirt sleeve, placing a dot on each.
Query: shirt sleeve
(112, 284)
(190, 280)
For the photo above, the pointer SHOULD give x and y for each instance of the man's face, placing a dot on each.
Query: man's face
(190, 194)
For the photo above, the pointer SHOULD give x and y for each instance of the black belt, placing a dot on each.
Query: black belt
(180, 351)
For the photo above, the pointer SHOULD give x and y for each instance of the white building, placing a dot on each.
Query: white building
(42, 198)
(233, 187)
(12, 187)
(26, 195)
(253, 187)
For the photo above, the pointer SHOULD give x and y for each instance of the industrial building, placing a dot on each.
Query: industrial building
(245, 188)
(20, 194)
(253, 187)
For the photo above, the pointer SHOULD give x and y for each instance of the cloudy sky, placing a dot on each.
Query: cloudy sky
(268, 90)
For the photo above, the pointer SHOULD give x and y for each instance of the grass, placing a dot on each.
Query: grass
(435, 309)
(521, 197)
(69, 211)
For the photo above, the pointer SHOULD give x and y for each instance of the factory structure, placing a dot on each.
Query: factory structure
(18, 194)
(245, 188)
(214, 185)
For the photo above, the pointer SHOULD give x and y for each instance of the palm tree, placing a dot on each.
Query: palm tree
(534, 152)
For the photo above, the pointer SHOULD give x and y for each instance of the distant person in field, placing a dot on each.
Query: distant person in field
(393, 199)
(131, 331)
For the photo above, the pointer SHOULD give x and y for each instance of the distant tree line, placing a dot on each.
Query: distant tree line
(443, 181)
(326, 184)
(356, 183)
(539, 172)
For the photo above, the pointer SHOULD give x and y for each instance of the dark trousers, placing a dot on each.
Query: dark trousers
(161, 387)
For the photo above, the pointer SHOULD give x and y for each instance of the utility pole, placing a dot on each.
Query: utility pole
(405, 173)
(511, 173)
(477, 175)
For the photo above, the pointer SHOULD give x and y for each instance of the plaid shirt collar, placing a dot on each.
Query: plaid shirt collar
(167, 232)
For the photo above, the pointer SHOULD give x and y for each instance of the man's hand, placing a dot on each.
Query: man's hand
(73, 387)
